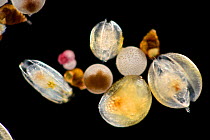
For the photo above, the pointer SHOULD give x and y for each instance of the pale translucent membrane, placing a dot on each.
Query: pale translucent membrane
(131, 61)
(2, 28)
(174, 80)
(28, 6)
(46, 80)
(4, 134)
(98, 78)
(127, 102)
(2, 2)
(106, 40)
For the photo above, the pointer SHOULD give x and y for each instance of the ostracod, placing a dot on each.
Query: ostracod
(127, 102)
(174, 80)
(106, 40)
(98, 78)
(131, 61)
(4, 134)
(46, 80)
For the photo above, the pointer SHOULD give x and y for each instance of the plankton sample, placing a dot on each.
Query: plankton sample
(127, 102)
(106, 40)
(46, 80)
(98, 78)
(174, 80)
(28, 6)
(131, 61)
(4, 134)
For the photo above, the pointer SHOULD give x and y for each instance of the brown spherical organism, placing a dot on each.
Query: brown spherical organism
(98, 78)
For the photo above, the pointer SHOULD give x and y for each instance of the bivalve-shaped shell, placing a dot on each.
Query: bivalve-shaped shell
(127, 102)
(174, 80)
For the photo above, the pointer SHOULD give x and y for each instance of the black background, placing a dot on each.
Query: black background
(59, 26)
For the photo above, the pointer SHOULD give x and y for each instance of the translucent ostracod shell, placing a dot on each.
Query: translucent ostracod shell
(150, 44)
(2, 2)
(28, 6)
(9, 15)
(75, 77)
(4, 134)
(174, 80)
(131, 61)
(127, 102)
(98, 78)
(46, 80)
(106, 40)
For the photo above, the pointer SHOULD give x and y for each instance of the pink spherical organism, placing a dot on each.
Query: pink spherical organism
(66, 57)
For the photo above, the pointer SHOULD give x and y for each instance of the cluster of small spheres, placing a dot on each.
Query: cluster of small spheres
(173, 79)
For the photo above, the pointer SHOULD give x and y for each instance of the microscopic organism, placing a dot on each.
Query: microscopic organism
(46, 80)
(2, 30)
(4, 133)
(28, 6)
(174, 80)
(70, 65)
(98, 78)
(66, 56)
(67, 59)
(75, 77)
(131, 61)
(2, 2)
(150, 44)
(106, 40)
(9, 15)
(127, 102)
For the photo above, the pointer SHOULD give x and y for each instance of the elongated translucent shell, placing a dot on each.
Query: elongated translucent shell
(174, 80)
(4, 134)
(46, 80)
(106, 40)
(127, 102)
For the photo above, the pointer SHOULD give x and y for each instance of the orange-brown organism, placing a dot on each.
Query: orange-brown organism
(75, 77)
(150, 44)
(9, 15)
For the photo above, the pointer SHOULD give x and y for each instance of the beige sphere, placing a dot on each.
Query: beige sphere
(131, 61)
(28, 6)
